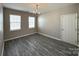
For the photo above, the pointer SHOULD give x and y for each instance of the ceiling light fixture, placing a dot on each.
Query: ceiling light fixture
(36, 9)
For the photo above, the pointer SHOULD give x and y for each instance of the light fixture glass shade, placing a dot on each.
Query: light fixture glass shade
(36, 8)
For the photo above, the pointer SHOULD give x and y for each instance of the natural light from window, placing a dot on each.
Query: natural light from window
(15, 22)
(31, 22)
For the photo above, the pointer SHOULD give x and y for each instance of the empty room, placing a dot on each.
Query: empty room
(39, 29)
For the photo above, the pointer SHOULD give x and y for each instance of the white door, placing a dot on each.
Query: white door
(69, 28)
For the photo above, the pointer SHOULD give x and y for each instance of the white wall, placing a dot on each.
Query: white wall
(49, 23)
(1, 28)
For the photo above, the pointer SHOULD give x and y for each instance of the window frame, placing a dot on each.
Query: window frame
(34, 22)
(14, 22)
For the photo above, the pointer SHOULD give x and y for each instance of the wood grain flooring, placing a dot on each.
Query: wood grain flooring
(37, 45)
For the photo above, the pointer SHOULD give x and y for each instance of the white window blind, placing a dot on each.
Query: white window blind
(15, 22)
(31, 22)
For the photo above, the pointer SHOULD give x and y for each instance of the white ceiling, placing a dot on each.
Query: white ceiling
(44, 7)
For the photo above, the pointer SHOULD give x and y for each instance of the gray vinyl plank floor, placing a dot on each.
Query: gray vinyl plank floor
(37, 45)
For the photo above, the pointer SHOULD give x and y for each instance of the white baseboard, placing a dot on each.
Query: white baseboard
(49, 36)
(38, 33)
(55, 38)
(19, 36)
(2, 49)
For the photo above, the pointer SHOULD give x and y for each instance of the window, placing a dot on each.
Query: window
(15, 22)
(31, 22)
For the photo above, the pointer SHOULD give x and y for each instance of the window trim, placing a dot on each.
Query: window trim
(34, 22)
(10, 22)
